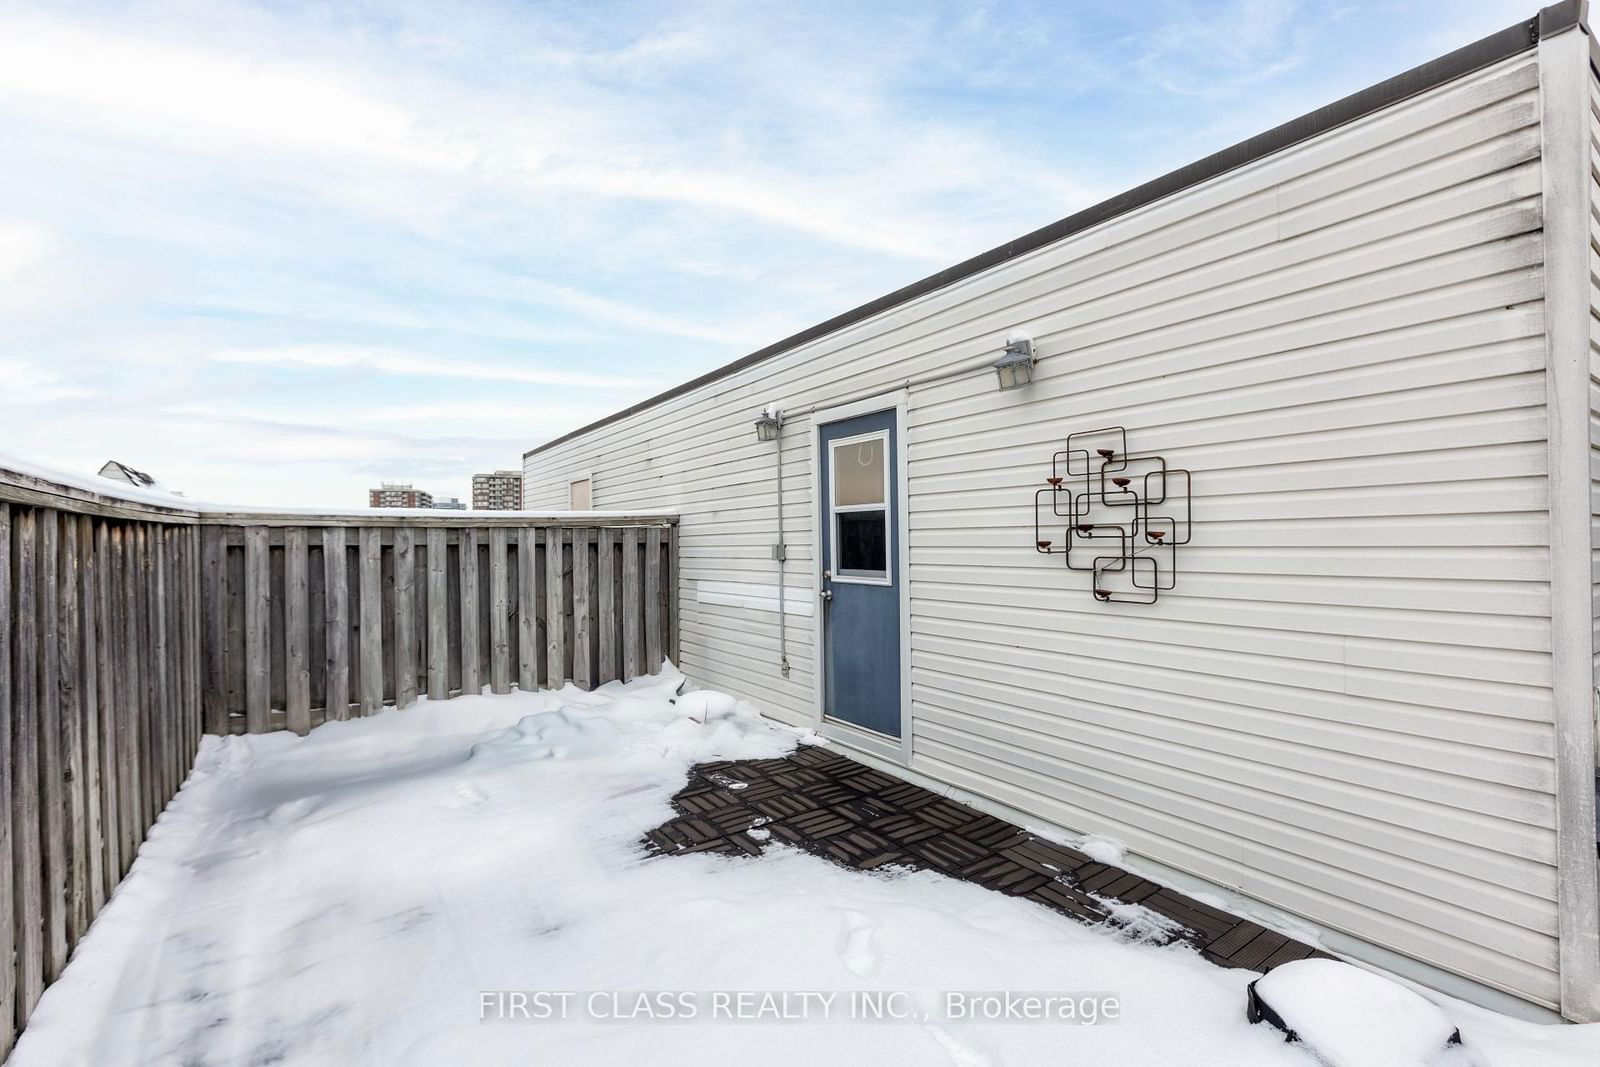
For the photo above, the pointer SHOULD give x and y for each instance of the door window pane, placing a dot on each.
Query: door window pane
(863, 549)
(858, 473)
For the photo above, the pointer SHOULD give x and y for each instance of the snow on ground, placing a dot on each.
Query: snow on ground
(348, 897)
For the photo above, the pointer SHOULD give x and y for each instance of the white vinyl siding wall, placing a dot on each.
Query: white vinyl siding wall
(1344, 708)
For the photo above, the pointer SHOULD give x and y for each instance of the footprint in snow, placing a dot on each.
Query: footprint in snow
(471, 796)
(961, 1054)
(856, 949)
(292, 811)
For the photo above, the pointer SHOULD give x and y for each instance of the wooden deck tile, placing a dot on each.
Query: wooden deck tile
(1065, 898)
(948, 852)
(1260, 949)
(863, 810)
(1235, 939)
(1208, 924)
(1046, 857)
(783, 805)
(999, 873)
(945, 814)
(906, 828)
(863, 850)
(907, 797)
(866, 779)
(821, 822)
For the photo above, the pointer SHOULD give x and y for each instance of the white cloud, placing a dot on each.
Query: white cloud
(567, 136)
(24, 382)
(22, 245)
(411, 364)
(176, 92)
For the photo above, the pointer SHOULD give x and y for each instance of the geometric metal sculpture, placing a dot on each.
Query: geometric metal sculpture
(1125, 516)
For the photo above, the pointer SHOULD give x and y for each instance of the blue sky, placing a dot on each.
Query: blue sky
(277, 252)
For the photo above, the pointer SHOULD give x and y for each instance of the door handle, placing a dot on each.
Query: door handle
(825, 593)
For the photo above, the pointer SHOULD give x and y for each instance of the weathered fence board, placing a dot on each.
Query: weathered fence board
(555, 612)
(8, 929)
(28, 850)
(257, 658)
(499, 612)
(471, 654)
(371, 628)
(69, 703)
(337, 623)
(652, 599)
(527, 609)
(405, 635)
(438, 616)
(53, 831)
(89, 690)
(296, 630)
(632, 606)
(582, 629)
(110, 698)
(606, 609)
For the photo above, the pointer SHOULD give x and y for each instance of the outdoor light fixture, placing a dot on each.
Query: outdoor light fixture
(1015, 366)
(768, 423)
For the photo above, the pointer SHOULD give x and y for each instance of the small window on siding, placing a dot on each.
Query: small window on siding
(578, 498)
(859, 491)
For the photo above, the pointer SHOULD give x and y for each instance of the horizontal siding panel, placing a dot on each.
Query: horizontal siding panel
(1506, 717)
(1466, 564)
(1245, 866)
(1219, 702)
(1075, 619)
(1486, 630)
(1217, 752)
(1474, 877)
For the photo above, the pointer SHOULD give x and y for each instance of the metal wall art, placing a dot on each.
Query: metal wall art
(1125, 516)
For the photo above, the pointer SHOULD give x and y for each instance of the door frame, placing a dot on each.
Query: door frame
(895, 750)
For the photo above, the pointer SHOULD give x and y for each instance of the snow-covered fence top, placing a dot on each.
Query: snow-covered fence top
(131, 621)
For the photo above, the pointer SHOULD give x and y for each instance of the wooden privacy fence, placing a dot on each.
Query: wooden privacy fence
(320, 621)
(127, 627)
(99, 712)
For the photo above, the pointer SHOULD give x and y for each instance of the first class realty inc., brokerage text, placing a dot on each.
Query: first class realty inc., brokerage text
(796, 1006)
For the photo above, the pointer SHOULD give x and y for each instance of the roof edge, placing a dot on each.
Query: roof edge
(1466, 60)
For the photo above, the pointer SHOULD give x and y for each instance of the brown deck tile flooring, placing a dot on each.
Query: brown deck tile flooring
(827, 804)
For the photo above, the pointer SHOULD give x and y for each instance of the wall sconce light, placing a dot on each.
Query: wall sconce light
(768, 423)
(1015, 366)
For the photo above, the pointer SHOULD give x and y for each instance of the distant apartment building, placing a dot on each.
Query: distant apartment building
(449, 503)
(499, 491)
(398, 495)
